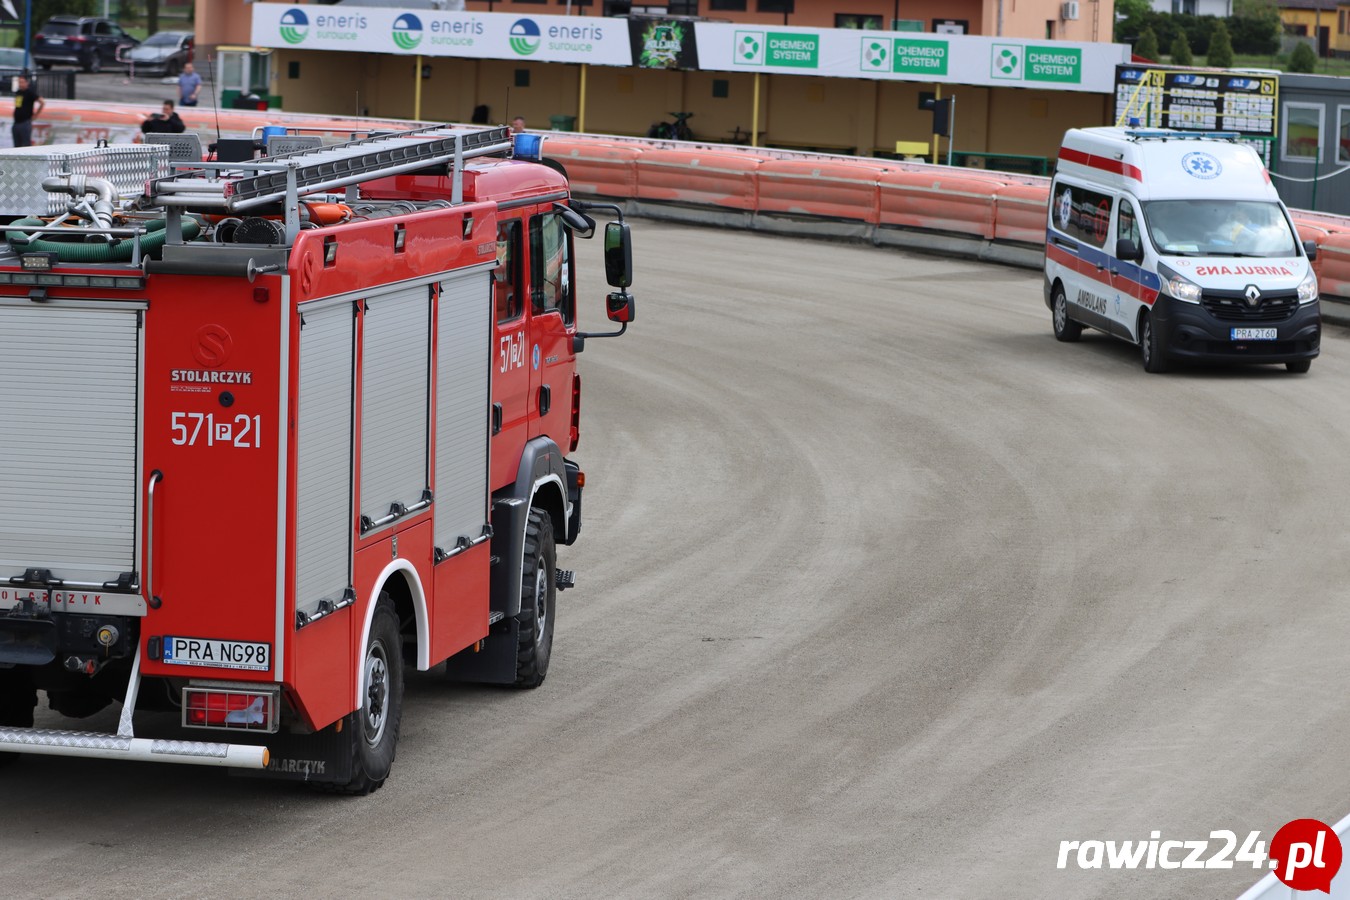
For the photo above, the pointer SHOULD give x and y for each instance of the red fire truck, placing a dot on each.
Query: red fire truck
(275, 428)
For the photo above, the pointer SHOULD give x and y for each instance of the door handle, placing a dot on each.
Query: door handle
(545, 399)
(496, 418)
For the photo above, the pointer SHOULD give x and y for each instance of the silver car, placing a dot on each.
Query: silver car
(163, 53)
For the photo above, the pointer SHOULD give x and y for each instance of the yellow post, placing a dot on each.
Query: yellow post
(417, 89)
(754, 116)
(937, 98)
(581, 101)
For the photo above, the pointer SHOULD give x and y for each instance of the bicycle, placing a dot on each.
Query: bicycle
(673, 131)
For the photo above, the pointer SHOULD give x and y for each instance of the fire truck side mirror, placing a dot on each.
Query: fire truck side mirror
(619, 307)
(583, 226)
(618, 257)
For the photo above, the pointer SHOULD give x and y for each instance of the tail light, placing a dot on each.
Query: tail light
(234, 707)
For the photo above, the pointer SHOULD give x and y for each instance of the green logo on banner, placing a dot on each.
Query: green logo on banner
(798, 51)
(914, 56)
(1054, 64)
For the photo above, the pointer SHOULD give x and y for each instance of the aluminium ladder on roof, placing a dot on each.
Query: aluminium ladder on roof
(237, 187)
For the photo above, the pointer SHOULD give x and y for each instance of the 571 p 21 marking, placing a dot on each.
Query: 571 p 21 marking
(193, 428)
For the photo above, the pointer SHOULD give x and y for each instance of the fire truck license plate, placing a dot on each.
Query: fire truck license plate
(185, 651)
(1254, 334)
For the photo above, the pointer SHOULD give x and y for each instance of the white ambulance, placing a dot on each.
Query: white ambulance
(1178, 242)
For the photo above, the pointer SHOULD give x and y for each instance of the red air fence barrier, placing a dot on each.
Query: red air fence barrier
(725, 179)
(939, 201)
(821, 187)
(1333, 263)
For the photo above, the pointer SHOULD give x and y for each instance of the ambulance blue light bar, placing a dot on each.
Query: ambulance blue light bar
(1166, 134)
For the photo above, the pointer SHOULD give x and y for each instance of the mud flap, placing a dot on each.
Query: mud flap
(495, 663)
(27, 642)
(319, 758)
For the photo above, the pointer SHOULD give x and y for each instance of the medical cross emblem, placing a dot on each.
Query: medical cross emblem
(1201, 165)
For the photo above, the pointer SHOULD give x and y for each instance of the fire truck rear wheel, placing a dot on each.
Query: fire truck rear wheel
(1066, 329)
(538, 596)
(375, 725)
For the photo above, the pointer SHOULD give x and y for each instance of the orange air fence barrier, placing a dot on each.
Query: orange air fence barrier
(1333, 261)
(1019, 212)
(824, 187)
(725, 179)
(598, 168)
(940, 201)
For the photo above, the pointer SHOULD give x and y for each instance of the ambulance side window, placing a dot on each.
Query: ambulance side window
(1127, 223)
(1081, 213)
(551, 266)
(506, 276)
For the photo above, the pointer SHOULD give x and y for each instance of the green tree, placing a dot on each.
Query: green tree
(1303, 59)
(1181, 50)
(1220, 47)
(1147, 45)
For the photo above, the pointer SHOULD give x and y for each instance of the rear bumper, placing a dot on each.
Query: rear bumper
(1189, 332)
(96, 745)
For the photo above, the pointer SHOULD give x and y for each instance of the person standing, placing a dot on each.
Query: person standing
(27, 105)
(189, 86)
(165, 122)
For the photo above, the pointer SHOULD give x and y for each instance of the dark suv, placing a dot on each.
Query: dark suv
(85, 41)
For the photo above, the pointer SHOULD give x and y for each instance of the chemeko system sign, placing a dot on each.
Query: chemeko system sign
(573, 39)
(906, 56)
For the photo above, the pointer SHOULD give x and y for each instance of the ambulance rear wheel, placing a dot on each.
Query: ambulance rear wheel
(538, 595)
(1066, 329)
(375, 725)
(1299, 366)
(1150, 346)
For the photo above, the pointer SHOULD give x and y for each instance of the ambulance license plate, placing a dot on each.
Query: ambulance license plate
(1254, 334)
(185, 651)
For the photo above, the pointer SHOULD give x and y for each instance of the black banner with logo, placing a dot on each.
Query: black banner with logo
(663, 43)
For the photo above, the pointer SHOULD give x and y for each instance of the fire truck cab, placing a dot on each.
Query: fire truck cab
(275, 428)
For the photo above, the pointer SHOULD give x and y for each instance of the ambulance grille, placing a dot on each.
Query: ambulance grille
(1232, 306)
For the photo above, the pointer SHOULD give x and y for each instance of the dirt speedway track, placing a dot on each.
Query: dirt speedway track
(882, 592)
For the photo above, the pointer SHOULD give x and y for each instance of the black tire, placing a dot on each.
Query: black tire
(1066, 329)
(1150, 347)
(18, 697)
(374, 727)
(95, 64)
(1299, 366)
(538, 599)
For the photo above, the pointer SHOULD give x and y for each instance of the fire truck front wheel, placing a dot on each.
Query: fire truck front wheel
(375, 726)
(538, 595)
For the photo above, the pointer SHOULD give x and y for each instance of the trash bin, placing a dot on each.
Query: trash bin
(562, 123)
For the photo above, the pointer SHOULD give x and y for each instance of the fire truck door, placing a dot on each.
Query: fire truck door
(511, 356)
(553, 317)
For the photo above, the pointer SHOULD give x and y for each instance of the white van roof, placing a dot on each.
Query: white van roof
(1158, 164)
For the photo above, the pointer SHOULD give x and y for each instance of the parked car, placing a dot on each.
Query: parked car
(85, 41)
(162, 53)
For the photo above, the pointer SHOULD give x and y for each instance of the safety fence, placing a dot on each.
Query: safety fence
(987, 214)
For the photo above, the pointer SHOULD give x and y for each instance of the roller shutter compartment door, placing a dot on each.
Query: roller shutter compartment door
(463, 398)
(395, 385)
(69, 406)
(323, 513)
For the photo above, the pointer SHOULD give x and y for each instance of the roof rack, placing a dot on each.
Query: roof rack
(1166, 134)
(234, 187)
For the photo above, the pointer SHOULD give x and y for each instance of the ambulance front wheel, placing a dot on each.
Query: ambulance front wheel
(1151, 349)
(1299, 366)
(375, 726)
(538, 595)
(1066, 329)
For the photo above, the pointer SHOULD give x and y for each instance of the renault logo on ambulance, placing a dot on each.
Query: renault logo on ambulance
(1253, 295)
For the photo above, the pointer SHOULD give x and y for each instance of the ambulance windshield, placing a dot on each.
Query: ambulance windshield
(1219, 228)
